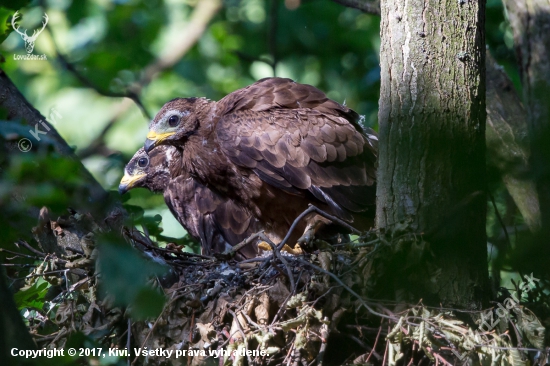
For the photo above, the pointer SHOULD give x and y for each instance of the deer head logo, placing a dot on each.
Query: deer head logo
(29, 41)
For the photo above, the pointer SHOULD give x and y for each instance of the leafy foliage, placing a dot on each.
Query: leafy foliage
(33, 297)
(127, 272)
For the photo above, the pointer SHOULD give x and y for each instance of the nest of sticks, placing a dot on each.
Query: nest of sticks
(277, 309)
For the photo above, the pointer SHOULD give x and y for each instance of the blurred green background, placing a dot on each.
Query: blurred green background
(110, 44)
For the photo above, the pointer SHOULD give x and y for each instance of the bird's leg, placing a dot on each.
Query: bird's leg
(314, 223)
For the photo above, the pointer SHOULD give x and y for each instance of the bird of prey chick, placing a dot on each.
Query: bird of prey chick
(217, 222)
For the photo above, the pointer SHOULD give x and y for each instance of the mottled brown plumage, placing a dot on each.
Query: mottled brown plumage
(218, 223)
(275, 147)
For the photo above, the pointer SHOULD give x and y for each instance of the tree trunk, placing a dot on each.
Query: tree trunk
(530, 21)
(431, 175)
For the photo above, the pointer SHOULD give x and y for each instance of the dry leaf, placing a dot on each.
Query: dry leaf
(262, 310)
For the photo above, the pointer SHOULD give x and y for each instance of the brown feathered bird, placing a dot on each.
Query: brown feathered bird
(275, 147)
(218, 223)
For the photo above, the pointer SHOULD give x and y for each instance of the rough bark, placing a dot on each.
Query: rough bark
(508, 143)
(530, 20)
(432, 141)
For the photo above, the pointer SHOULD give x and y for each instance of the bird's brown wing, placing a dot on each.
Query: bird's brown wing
(275, 93)
(317, 149)
(218, 223)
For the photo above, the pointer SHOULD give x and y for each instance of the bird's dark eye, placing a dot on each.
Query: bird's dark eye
(173, 121)
(142, 162)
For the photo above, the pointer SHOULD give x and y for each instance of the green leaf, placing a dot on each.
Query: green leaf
(152, 224)
(135, 212)
(5, 24)
(33, 297)
(125, 274)
(147, 304)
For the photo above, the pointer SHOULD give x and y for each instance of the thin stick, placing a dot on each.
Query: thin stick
(371, 310)
(191, 334)
(277, 253)
(258, 259)
(17, 265)
(242, 333)
(385, 352)
(438, 357)
(28, 247)
(130, 94)
(46, 338)
(45, 273)
(336, 220)
(366, 6)
(128, 340)
(242, 244)
(323, 336)
(163, 250)
(309, 210)
(375, 343)
(19, 254)
(293, 226)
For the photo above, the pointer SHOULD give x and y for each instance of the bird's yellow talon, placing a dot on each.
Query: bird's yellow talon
(264, 246)
(297, 250)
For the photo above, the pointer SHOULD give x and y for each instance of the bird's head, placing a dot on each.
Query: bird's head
(151, 171)
(176, 121)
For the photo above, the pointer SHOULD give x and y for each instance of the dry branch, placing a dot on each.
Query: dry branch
(366, 6)
(19, 108)
(203, 13)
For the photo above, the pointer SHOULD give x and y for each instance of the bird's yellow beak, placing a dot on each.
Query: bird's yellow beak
(154, 139)
(128, 182)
